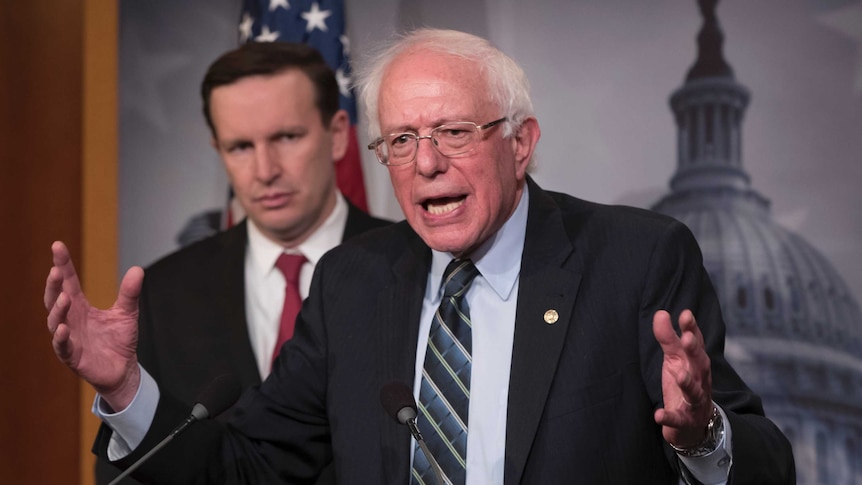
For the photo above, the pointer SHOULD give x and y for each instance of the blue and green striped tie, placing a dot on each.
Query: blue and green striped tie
(444, 399)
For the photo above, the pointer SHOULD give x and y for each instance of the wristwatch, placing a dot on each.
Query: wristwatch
(714, 435)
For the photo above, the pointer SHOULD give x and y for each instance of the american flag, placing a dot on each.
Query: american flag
(320, 24)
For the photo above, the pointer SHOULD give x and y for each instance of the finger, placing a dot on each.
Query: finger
(688, 326)
(686, 319)
(62, 343)
(130, 290)
(692, 395)
(53, 287)
(58, 313)
(690, 344)
(63, 261)
(663, 417)
(691, 339)
(664, 333)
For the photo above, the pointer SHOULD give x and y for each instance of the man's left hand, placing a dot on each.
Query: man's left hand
(686, 380)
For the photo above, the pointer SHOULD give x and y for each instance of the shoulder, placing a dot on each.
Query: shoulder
(200, 256)
(597, 224)
(358, 221)
(379, 247)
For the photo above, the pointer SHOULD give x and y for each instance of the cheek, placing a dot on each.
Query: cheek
(298, 165)
(486, 185)
(315, 162)
(493, 190)
(400, 180)
(238, 173)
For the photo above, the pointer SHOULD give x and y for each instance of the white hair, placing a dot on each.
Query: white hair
(507, 85)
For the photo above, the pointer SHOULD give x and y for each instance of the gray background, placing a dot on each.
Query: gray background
(601, 74)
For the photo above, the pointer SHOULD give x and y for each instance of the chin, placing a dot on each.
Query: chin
(445, 244)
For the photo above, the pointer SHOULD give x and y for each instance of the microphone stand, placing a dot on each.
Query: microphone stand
(414, 430)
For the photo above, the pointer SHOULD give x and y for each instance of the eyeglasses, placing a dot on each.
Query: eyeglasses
(450, 139)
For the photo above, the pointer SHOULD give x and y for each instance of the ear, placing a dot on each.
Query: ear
(339, 130)
(524, 142)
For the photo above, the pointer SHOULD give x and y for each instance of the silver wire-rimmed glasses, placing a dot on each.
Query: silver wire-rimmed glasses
(450, 139)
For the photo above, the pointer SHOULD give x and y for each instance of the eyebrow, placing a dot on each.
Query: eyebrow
(231, 142)
(434, 124)
(291, 130)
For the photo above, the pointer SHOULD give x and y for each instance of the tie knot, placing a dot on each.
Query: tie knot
(289, 265)
(458, 276)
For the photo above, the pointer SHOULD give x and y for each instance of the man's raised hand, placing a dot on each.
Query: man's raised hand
(98, 345)
(686, 380)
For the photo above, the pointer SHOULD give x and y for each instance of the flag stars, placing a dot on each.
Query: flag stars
(274, 4)
(266, 35)
(316, 18)
(343, 82)
(245, 27)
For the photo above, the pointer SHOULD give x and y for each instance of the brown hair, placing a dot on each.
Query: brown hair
(268, 58)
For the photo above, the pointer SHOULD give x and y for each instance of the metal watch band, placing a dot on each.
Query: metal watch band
(714, 435)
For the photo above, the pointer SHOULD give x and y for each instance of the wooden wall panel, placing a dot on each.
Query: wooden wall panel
(56, 182)
(99, 239)
(40, 172)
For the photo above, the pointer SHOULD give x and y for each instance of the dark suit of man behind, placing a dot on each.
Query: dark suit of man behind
(273, 111)
(193, 324)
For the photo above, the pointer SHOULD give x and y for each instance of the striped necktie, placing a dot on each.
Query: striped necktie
(444, 398)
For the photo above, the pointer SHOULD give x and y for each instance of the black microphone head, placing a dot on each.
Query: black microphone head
(397, 400)
(219, 395)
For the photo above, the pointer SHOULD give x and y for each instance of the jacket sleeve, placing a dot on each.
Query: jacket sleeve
(677, 280)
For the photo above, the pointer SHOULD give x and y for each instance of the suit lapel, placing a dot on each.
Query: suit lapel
(399, 308)
(549, 279)
(232, 306)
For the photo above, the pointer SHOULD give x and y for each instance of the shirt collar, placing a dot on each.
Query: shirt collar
(264, 252)
(498, 259)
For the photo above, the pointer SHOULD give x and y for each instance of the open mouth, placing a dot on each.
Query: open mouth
(443, 205)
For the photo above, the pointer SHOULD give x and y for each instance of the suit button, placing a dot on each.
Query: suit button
(551, 317)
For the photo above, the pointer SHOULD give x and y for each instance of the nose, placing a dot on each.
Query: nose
(266, 164)
(429, 161)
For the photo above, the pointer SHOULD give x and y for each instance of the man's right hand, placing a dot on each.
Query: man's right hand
(98, 345)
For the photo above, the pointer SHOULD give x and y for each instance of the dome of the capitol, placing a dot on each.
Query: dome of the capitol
(771, 282)
(794, 330)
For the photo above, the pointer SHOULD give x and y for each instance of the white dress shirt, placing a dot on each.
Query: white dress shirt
(492, 298)
(264, 283)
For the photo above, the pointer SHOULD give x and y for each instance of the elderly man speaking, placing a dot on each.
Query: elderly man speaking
(546, 339)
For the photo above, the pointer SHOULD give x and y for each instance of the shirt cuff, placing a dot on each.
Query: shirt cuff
(713, 469)
(131, 424)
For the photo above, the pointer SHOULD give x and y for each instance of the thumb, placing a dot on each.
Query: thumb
(663, 330)
(130, 290)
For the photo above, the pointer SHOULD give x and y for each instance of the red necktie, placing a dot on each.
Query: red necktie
(289, 265)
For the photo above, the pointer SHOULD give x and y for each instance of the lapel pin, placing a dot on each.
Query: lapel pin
(551, 317)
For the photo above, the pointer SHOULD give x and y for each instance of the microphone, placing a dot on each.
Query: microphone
(397, 400)
(219, 395)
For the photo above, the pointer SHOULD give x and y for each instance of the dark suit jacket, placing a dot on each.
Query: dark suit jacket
(192, 324)
(582, 391)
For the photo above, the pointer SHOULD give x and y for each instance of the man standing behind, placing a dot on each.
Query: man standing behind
(215, 307)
